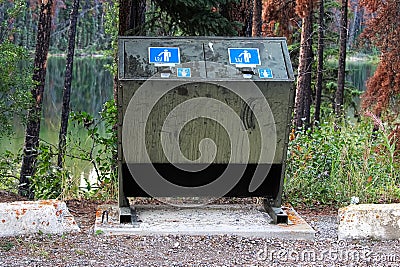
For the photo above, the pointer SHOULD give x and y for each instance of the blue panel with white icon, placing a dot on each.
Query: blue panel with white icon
(265, 73)
(244, 56)
(183, 72)
(164, 55)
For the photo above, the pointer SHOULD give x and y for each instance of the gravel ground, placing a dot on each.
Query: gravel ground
(88, 249)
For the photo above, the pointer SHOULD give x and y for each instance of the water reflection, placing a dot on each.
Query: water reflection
(91, 87)
(359, 72)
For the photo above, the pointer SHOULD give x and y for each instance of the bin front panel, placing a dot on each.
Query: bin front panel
(135, 64)
(271, 58)
(213, 77)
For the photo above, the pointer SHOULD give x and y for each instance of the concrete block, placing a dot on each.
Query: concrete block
(29, 217)
(370, 221)
(239, 220)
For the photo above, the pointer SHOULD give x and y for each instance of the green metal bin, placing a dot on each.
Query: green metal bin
(203, 116)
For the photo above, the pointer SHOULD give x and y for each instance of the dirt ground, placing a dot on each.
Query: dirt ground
(84, 211)
(90, 249)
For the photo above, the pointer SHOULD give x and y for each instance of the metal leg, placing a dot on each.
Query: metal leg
(125, 215)
(277, 214)
(128, 215)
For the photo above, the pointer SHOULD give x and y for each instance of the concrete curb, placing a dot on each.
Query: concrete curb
(370, 221)
(30, 217)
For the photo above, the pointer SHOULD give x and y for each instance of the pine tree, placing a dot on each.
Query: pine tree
(35, 112)
(342, 60)
(320, 64)
(67, 84)
(382, 31)
(304, 9)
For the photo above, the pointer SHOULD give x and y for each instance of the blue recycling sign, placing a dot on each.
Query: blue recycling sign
(244, 56)
(164, 55)
(265, 73)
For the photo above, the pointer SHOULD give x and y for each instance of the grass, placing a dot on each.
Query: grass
(328, 167)
(6, 246)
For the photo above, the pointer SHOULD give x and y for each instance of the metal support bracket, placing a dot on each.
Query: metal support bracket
(278, 215)
(128, 215)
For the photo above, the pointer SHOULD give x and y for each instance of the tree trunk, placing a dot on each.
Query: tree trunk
(240, 12)
(137, 16)
(320, 67)
(67, 83)
(35, 112)
(352, 25)
(131, 17)
(342, 61)
(303, 92)
(257, 20)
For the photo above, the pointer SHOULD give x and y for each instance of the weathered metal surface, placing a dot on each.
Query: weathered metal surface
(212, 77)
(277, 214)
(198, 53)
(277, 95)
(29, 217)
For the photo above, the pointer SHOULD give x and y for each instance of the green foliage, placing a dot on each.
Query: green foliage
(15, 69)
(328, 167)
(181, 17)
(10, 10)
(51, 182)
(47, 181)
(111, 28)
(15, 82)
(99, 232)
(329, 86)
(9, 166)
(102, 150)
(91, 29)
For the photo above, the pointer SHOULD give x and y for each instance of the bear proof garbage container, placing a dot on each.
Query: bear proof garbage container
(203, 116)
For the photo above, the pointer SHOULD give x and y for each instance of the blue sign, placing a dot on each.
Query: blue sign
(183, 72)
(164, 55)
(244, 56)
(265, 73)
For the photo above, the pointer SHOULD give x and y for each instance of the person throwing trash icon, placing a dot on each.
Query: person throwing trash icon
(246, 56)
(166, 54)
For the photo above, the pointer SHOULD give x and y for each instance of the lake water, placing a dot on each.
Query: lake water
(92, 86)
(359, 72)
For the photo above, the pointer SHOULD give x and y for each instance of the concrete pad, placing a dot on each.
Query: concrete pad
(29, 217)
(240, 220)
(370, 221)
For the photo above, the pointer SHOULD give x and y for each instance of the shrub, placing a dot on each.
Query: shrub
(328, 167)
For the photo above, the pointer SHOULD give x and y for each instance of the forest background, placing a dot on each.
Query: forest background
(331, 159)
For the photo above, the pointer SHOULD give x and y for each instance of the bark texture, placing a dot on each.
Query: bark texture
(257, 20)
(35, 112)
(131, 17)
(67, 83)
(339, 96)
(320, 65)
(240, 12)
(303, 89)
